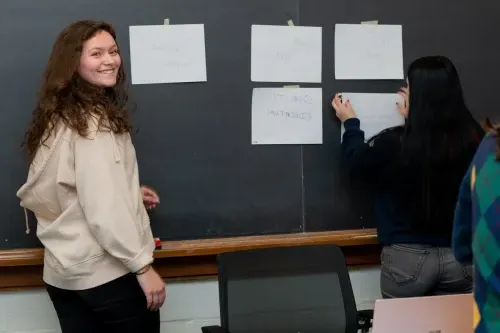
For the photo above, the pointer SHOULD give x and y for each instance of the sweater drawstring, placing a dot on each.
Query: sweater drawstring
(116, 150)
(26, 221)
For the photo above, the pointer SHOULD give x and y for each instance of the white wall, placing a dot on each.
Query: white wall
(189, 306)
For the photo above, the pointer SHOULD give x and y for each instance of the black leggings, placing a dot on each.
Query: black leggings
(117, 306)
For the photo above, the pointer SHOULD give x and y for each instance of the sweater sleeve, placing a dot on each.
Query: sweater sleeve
(462, 225)
(102, 187)
(365, 159)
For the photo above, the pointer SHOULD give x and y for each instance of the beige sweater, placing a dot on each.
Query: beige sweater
(85, 194)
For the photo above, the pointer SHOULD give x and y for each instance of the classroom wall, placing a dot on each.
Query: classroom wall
(189, 305)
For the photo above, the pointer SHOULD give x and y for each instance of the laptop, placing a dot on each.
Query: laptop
(433, 314)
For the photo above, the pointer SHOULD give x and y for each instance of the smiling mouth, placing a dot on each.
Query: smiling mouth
(107, 71)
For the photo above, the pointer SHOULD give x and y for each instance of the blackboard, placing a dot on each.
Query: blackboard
(193, 140)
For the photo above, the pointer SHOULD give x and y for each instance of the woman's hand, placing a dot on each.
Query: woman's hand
(153, 287)
(403, 108)
(344, 110)
(149, 197)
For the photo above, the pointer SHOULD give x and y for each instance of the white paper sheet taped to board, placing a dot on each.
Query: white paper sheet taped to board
(167, 53)
(286, 54)
(287, 116)
(368, 52)
(376, 112)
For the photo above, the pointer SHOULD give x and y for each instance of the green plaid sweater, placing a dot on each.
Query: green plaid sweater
(476, 232)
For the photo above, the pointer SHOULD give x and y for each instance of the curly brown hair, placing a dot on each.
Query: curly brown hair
(66, 97)
(494, 128)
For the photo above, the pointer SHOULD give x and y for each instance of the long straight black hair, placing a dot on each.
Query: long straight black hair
(439, 140)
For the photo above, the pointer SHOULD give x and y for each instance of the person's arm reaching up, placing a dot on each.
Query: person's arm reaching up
(366, 160)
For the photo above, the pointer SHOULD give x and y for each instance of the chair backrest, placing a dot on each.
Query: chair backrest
(303, 289)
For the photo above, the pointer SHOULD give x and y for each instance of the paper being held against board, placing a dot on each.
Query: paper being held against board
(286, 54)
(167, 53)
(376, 112)
(287, 116)
(368, 52)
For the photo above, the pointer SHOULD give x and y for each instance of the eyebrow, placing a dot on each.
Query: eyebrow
(102, 48)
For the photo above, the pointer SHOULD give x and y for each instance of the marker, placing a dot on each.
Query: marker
(158, 244)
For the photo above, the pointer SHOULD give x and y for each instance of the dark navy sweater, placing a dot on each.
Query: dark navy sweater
(373, 162)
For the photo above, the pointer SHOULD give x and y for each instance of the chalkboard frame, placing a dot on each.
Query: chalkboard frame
(196, 259)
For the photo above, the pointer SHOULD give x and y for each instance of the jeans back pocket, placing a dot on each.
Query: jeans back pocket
(403, 263)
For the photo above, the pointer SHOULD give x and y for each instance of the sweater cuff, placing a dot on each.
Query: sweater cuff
(142, 259)
(351, 123)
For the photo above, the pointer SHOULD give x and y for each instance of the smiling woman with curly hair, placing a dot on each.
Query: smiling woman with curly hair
(83, 186)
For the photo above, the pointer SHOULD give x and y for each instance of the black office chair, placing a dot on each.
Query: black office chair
(303, 289)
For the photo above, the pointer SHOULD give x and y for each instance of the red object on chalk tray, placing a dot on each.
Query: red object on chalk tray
(158, 243)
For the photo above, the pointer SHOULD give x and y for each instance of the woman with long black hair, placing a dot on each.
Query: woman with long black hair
(416, 170)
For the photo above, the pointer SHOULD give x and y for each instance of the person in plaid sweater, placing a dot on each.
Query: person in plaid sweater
(476, 232)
